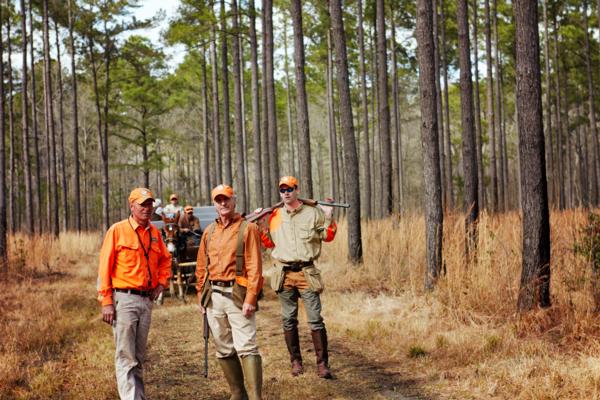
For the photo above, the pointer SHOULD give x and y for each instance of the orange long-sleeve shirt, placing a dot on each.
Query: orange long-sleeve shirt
(123, 262)
(221, 256)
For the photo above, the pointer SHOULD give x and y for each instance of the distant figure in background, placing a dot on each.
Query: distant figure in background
(189, 225)
(134, 268)
(158, 210)
(295, 233)
(171, 209)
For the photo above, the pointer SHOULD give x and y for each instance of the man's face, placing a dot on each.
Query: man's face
(142, 212)
(225, 205)
(288, 194)
(174, 201)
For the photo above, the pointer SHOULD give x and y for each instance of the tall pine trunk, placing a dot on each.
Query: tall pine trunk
(37, 188)
(477, 104)
(208, 183)
(301, 101)
(447, 135)
(75, 124)
(333, 157)
(288, 104)
(215, 107)
(438, 95)
(471, 199)
(28, 223)
(383, 110)
(491, 123)
(434, 216)
(270, 94)
(238, 113)
(366, 158)
(498, 112)
(535, 275)
(397, 126)
(560, 170)
(227, 174)
(351, 170)
(548, 109)
(268, 190)
(256, 132)
(591, 111)
(61, 118)
(12, 172)
(3, 221)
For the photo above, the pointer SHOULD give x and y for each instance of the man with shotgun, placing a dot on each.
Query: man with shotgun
(229, 276)
(295, 232)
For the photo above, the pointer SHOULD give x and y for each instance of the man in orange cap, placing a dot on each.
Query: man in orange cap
(173, 207)
(295, 233)
(189, 225)
(134, 269)
(229, 276)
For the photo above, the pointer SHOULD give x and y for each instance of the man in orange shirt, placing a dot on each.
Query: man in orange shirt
(134, 269)
(229, 259)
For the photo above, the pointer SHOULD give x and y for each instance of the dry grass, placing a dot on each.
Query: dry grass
(465, 337)
(463, 340)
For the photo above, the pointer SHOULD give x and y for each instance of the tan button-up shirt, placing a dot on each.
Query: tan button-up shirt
(221, 252)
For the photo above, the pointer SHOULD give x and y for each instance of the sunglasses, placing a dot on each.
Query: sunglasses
(286, 190)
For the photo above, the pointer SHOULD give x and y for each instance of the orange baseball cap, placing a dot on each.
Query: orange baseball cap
(288, 181)
(173, 196)
(223, 189)
(140, 195)
(188, 209)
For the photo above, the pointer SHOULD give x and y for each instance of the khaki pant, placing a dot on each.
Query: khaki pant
(232, 332)
(134, 314)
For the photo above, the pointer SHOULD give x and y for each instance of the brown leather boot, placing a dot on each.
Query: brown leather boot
(293, 344)
(319, 338)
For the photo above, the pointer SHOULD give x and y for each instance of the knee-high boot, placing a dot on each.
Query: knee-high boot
(293, 345)
(319, 338)
(252, 366)
(235, 377)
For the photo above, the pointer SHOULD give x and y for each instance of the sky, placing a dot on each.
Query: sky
(150, 8)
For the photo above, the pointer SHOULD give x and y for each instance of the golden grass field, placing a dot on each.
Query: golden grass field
(464, 340)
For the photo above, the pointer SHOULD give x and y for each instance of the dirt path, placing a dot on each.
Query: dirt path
(175, 365)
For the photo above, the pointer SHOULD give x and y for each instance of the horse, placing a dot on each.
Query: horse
(171, 234)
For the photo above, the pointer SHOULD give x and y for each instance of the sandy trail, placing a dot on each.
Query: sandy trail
(175, 362)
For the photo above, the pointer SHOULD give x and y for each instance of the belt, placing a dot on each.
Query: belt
(223, 283)
(297, 266)
(143, 293)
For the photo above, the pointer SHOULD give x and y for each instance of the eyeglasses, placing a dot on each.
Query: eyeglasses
(286, 190)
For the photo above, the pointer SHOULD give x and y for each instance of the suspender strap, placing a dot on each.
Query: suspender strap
(239, 254)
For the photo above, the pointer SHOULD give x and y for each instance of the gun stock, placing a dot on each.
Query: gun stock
(265, 211)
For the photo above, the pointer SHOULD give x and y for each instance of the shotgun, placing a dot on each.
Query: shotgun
(205, 334)
(265, 211)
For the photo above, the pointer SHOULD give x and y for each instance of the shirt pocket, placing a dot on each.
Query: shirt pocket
(305, 232)
(128, 252)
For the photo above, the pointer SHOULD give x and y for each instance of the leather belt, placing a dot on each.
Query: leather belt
(297, 266)
(223, 283)
(143, 293)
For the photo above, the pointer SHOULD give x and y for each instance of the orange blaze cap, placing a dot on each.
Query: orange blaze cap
(288, 181)
(189, 209)
(223, 189)
(140, 195)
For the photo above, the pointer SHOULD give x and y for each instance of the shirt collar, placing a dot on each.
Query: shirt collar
(134, 224)
(236, 218)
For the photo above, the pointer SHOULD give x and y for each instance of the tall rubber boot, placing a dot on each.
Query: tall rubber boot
(319, 338)
(235, 377)
(293, 345)
(252, 366)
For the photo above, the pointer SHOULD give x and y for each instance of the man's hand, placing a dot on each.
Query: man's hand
(248, 310)
(156, 292)
(202, 309)
(108, 314)
(327, 210)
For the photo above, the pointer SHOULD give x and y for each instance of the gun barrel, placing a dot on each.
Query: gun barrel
(206, 333)
(326, 203)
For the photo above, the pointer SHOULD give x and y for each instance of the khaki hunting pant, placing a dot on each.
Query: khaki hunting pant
(134, 314)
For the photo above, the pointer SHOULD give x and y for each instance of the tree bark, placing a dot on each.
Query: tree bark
(477, 104)
(438, 95)
(227, 174)
(28, 223)
(215, 107)
(548, 109)
(559, 126)
(3, 221)
(258, 154)
(12, 173)
(333, 153)
(61, 117)
(238, 113)
(383, 110)
(301, 101)
(397, 126)
(351, 170)
(491, 123)
(591, 110)
(37, 188)
(365, 116)
(75, 123)
(268, 190)
(582, 151)
(208, 184)
(51, 134)
(535, 275)
(431, 152)
(471, 199)
(447, 135)
(270, 93)
(498, 119)
(288, 92)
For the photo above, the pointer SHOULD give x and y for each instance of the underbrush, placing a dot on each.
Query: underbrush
(465, 338)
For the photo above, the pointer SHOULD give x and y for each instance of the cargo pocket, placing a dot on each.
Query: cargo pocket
(277, 278)
(313, 277)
